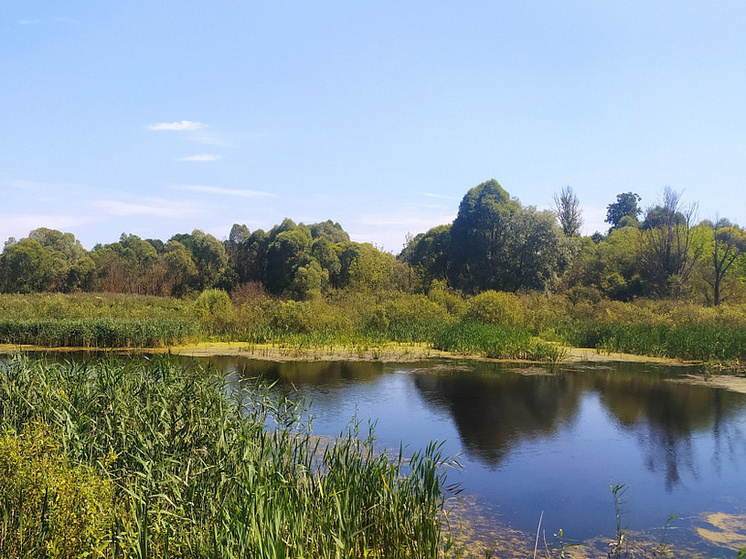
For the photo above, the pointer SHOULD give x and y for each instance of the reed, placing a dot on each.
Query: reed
(696, 342)
(200, 468)
(99, 332)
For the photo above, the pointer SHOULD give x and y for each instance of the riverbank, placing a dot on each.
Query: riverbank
(395, 353)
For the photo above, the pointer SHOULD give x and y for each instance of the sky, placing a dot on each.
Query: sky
(158, 118)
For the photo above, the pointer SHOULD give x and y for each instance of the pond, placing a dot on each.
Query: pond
(533, 442)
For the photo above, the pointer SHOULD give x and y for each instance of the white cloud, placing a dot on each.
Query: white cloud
(181, 126)
(20, 225)
(402, 220)
(205, 157)
(223, 191)
(440, 196)
(154, 207)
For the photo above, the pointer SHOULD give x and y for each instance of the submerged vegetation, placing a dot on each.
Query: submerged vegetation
(146, 459)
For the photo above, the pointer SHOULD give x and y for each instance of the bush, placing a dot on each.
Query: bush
(495, 307)
(50, 507)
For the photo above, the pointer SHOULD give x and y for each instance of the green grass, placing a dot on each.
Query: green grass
(689, 342)
(188, 466)
(99, 332)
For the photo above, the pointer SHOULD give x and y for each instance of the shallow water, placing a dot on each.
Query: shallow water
(531, 441)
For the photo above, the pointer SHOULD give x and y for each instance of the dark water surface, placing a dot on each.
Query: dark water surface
(531, 441)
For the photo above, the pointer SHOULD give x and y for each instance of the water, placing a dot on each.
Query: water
(531, 441)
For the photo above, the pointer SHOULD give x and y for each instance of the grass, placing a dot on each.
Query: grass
(99, 332)
(177, 463)
(490, 324)
(689, 342)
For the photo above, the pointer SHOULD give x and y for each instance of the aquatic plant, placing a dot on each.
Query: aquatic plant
(201, 468)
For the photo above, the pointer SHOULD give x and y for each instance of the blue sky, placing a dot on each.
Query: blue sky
(156, 118)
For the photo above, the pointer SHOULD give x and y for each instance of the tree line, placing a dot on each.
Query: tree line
(495, 243)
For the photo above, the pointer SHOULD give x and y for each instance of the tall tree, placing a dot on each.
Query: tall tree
(24, 267)
(626, 206)
(568, 212)
(723, 243)
(428, 255)
(498, 244)
(666, 260)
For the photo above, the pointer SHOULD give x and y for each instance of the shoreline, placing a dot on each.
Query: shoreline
(388, 353)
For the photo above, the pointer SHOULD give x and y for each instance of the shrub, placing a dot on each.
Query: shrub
(495, 307)
(50, 507)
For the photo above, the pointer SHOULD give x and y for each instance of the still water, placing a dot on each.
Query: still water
(530, 441)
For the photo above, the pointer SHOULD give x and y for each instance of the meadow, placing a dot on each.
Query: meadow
(534, 326)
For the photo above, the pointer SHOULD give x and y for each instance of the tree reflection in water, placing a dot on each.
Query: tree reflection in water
(495, 410)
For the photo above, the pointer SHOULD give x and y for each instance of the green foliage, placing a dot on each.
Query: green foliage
(25, 267)
(495, 307)
(213, 307)
(197, 473)
(429, 255)
(50, 506)
(568, 212)
(494, 341)
(98, 332)
(498, 244)
(625, 208)
(211, 302)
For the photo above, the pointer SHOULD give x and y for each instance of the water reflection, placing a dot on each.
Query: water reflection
(665, 416)
(494, 409)
(333, 374)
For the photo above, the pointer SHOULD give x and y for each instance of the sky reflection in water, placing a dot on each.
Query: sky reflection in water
(531, 441)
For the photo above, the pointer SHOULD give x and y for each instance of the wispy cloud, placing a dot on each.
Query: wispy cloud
(181, 126)
(439, 196)
(404, 220)
(19, 225)
(22, 184)
(153, 207)
(203, 158)
(223, 191)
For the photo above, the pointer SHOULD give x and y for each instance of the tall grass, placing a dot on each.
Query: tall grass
(494, 341)
(689, 342)
(196, 472)
(98, 332)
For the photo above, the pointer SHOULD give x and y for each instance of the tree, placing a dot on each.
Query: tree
(723, 243)
(364, 267)
(480, 237)
(64, 252)
(181, 269)
(428, 255)
(626, 205)
(665, 258)
(329, 230)
(289, 250)
(326, 255)
(24, 267)
(568, 212)
(498, 244)
(208, 255)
